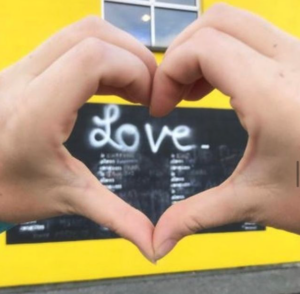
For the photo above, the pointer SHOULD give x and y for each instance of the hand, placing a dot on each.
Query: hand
(258, 66)
(40, 97)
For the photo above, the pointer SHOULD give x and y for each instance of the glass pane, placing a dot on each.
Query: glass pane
(133, 19)
(183, 2)
(169, 23)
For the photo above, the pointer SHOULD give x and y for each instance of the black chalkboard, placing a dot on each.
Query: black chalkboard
(150, 163)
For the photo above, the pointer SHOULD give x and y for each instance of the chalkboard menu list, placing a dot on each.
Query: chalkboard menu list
(150, 163)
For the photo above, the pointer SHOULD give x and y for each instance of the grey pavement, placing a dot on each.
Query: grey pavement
(263, 280)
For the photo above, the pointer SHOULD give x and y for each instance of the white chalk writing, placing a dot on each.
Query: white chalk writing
(102, 134)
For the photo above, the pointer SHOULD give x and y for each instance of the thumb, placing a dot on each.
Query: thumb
(96, 202)
(215, 207)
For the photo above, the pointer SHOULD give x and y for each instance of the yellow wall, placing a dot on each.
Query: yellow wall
(23, 26)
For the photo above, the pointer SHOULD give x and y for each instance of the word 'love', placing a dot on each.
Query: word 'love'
(102, 134)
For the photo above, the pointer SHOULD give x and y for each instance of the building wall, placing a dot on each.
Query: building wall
(23, 26)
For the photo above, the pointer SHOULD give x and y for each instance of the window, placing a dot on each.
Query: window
(154, 22)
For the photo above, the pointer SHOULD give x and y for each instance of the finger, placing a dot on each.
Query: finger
(226, 63)
(198, 90)
(92, 26)
(212, 208)
(244, 26)
(91, 199)
(92, 66)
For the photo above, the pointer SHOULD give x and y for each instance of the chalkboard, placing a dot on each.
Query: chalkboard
(150, 163)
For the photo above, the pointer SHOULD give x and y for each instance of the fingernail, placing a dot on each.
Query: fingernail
(153, 261)
(149, 256)
(164, 249)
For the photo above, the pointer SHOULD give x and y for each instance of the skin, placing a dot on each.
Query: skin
(41, 94)
(258, 67)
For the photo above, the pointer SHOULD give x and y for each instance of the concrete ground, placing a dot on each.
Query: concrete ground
(264, 280)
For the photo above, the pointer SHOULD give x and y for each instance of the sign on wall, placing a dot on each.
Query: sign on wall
(150, 163)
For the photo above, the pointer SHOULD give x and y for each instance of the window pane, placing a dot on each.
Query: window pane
(133, 19)
(169, 23)
(183, 2)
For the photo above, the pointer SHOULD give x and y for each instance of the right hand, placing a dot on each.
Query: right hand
(258, 66)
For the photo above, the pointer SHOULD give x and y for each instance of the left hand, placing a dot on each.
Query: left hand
(39, 100)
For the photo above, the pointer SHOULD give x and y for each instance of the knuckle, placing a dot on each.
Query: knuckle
(193, 224)
(2, 80)
(81, 29)
(91, 22)
(111, 224)
(90, 51)
(189, 223)
(217, 10)
(205, 36)
(166, 71)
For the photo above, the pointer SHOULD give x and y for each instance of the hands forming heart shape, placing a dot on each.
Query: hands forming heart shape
(228, 49)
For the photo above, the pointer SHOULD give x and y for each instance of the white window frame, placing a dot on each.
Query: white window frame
(152, 4)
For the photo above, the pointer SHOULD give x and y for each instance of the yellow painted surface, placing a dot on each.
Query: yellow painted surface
(23, 26)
